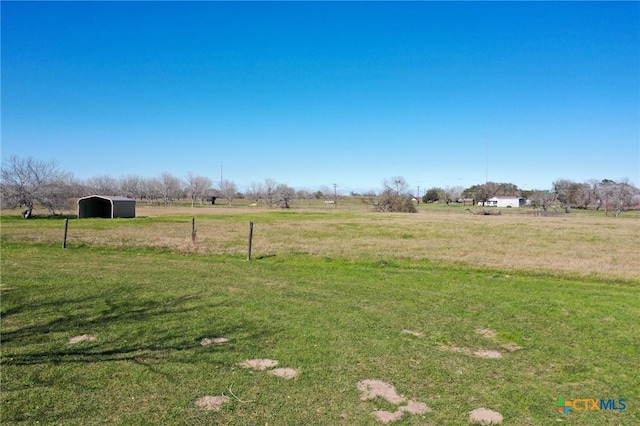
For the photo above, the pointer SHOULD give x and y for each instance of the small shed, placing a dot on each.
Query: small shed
(106, 206)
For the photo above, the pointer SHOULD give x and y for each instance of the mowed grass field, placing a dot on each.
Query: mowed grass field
(418, 301)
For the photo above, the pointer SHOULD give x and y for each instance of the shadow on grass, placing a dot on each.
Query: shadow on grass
(126, 330)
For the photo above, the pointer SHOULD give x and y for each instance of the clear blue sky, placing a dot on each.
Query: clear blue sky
(312, 94)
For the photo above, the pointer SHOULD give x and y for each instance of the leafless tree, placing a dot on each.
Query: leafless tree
(132, 186)
(103, 185)
(269, 195)
(151, 188)
(617, 196)
(197, 187)
(255, 192)
(285, 195)
(25, 182)
(453, 193)
(543, 199)
(397, 184)
(228, 190)
(169, 187)
(586, 194)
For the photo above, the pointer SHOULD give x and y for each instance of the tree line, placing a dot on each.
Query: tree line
(27, 182)
(606, 194)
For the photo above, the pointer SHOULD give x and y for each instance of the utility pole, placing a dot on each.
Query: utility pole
(418, 194)
(486, 172)
(335, 195)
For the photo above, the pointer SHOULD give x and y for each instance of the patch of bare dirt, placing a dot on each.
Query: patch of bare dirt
(482, 353)
(413, 333)
(488, 354)
(259, 364)
(211, 403)
(287, 373)
(217, 340)
(372, 389)
(385, 417)
(82, 338)
(414, 407)
(485, 416)
(486, 332)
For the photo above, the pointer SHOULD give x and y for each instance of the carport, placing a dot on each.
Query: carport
(106, 206)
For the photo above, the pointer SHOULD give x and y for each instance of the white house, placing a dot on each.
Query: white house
(502, 201)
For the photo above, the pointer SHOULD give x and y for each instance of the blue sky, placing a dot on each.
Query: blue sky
(312, 94)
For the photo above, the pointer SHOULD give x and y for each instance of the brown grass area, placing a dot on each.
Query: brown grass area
(580, 244)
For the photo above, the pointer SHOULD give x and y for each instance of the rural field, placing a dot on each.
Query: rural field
(343, 316)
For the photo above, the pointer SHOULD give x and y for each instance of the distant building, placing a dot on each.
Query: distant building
(504, 201)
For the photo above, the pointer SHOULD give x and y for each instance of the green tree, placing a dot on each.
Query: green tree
(433, 195)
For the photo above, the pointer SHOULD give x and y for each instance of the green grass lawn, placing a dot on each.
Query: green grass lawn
(336, 319)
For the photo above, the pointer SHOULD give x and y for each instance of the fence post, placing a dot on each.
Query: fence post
(193, 230)
(250, 240)
(64, 238)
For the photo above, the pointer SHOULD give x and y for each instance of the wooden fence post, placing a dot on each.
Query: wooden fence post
(250, 240)
(193, 230)
(64, 238)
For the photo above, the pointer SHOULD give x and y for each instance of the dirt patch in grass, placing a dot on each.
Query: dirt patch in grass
(385, 417)
(287, 373)
(82, 338)
(414, 407)
(486, 332)
(372, 389)
(217, 340)
(482, 353)
(488, 354)
(485, 416)
(211, 403)
(259, 364)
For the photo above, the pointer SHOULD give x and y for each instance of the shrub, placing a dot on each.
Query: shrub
(391, 202)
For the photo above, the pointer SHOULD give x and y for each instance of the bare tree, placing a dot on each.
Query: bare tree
(586, 195)
(132, 186)
(169, 187)
(228, 190)
(285, 195)
(197, 187)
(269, 195)
(397, 184)
(543, 199)
(617, 196)
(25, 182)
(103, 185)
(453, 193)
(151, 189)
(255, 192)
